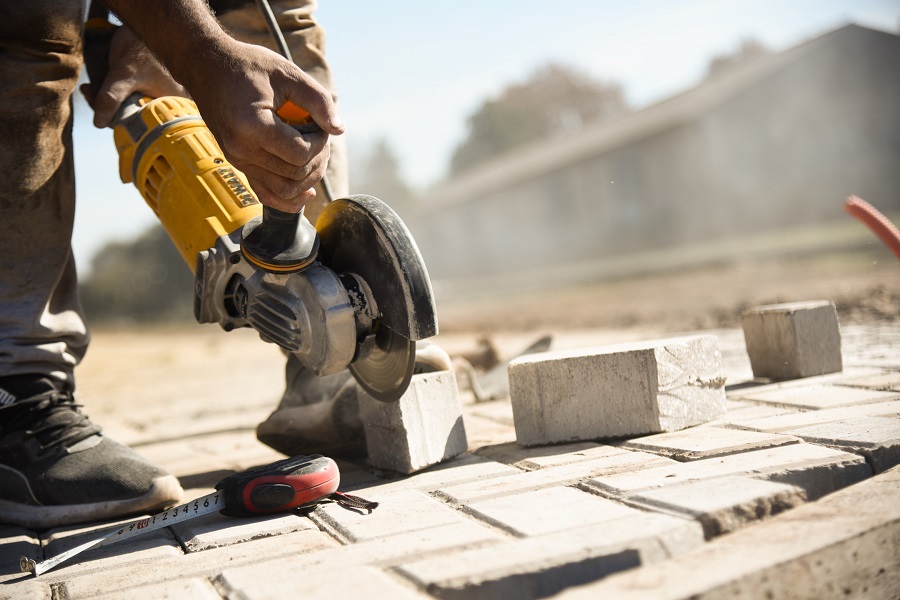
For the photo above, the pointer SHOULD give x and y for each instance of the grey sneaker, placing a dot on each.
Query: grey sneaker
(320, 415)
(56, 468)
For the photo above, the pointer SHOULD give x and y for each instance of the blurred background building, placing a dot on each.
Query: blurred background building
(742, 163)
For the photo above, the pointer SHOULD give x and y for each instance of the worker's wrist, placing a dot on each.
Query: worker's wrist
(183, 34)
(217, 52)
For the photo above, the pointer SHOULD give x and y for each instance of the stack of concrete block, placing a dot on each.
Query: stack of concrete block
(421, 429)
(616, 391)
(793, 340)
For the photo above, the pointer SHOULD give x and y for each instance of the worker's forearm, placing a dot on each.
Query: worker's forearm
(184, 34)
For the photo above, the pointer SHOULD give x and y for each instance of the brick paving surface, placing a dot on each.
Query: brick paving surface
(793, 492)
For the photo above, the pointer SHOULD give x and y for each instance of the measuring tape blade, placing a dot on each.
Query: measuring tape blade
(210, 503)
(277, 487)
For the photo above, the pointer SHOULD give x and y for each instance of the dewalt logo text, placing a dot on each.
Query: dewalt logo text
(243, 193)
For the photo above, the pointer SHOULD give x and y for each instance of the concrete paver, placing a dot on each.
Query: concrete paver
(616, 391)
(547, 510)
(790, 421)
(539, 457)
(16, 542)
(817, 396)
(158, 544)
(886, 382)
(847, 374)
(215, 530)
(318, 584)
(424, 427)
(726, 504)
(738, 411)
(382, 552)
(538, 566)
(816, 469)
(706, 442)
(398, 512)
(613, 460)
(876, 438)
(790, 483)
(205, 565)
(30, 589)
(466, 468)
(846, 545)
(194, 588)
(793, 340)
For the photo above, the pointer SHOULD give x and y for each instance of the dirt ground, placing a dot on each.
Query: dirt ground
(864, 285)
(156, 367)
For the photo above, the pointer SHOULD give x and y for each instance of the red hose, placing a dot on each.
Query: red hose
(875, 221)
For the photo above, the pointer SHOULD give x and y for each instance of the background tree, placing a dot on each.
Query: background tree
(380, 176)
(748, 51)
(142, 280)
(554, 100)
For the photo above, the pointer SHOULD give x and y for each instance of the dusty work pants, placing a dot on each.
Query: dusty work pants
(42, 329)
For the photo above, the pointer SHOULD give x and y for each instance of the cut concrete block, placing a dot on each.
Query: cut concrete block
(793, 340)
(616, 391)
(421, 429)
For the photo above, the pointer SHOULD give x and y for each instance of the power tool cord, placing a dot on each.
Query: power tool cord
(274, 29)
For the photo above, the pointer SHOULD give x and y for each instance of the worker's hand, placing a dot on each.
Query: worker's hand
(132, 68)
(238, 103)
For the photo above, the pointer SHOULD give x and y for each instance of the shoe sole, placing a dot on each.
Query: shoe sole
(164, 492)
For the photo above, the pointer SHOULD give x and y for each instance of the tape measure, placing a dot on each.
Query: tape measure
(291, 483)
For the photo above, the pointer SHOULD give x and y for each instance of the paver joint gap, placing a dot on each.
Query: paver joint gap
(327, 526)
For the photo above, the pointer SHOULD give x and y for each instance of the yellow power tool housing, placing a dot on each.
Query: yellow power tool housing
(169, 154)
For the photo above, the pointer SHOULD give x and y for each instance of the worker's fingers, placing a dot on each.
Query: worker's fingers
(132, 68)
(122, 83)
(289, 206)
(312, 97)
(109, 97)
(276, 147)
(278, 191)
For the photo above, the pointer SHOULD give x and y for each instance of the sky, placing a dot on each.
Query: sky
(412, 71)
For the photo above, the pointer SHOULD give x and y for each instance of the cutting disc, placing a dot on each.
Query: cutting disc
(387, 370)
(362, 235)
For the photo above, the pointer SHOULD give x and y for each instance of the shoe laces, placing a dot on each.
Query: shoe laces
(52, 418)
